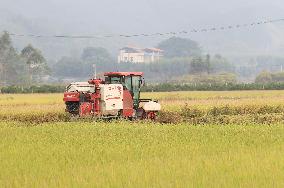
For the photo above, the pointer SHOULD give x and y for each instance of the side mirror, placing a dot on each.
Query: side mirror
(107, 80)
(143, 83)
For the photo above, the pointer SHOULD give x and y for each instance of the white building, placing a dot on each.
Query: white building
(139, 55)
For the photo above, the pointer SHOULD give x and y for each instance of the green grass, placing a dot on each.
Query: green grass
(124, 154)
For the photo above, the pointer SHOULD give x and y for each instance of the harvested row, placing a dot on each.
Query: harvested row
(263, 114)
(36, 118)
(175, 118)
(263, 107)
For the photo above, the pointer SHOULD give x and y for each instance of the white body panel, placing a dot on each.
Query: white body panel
(80, 87)
(151, 106)
(111, 98)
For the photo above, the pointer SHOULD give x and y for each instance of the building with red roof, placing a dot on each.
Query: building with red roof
(133, 54)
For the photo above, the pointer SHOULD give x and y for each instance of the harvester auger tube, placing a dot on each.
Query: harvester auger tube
(118, 96)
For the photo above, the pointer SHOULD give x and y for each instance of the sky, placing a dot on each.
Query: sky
(93, 17)
(149, 13)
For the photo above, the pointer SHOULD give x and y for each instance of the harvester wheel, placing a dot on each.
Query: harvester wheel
(152, 116)
(72, 108)
(148, 115)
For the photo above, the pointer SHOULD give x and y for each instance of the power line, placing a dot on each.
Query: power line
(212, 29)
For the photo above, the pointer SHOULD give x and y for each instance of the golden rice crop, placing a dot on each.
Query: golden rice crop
(167, 153)
(192, 107)
(124, 154)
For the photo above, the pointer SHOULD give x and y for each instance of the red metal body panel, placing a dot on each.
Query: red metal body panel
(71, 96)
(127, 104)
(85, 109)
(95, 82)
(96, 100)
(95, 97)
(123, 73)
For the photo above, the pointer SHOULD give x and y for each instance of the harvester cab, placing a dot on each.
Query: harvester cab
(117, 96)
(131, 81)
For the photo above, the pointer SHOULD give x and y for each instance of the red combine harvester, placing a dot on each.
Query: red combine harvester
(117, 96)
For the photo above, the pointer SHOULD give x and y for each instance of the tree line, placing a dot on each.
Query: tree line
(20, 68)
(183, 62)
(182, 57)
(160, 87)
(266, 77)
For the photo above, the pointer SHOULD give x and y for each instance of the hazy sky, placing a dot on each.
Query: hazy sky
(138, 16)
(150, 13)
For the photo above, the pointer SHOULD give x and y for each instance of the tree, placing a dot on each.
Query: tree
(223, 78)
(198, 65)
(83, 68)
(69, 67)
(180, 47)
(36, 62)
(278, 77)
(8, 60)
(264, 77)
(219, 64)
(95, 54)
(208, 63)
(98, 56)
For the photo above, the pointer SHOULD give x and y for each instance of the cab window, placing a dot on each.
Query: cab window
(113, 80)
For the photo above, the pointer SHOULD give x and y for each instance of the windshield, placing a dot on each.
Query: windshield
(113, 80)
(133, 83)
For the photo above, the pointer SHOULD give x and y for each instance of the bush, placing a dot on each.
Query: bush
(33, 89)
(267, 77)
(163, 87)
(212, 87)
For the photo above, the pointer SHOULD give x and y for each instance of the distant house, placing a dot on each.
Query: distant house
(139, 55)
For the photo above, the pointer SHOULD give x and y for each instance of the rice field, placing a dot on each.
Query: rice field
(197, 107)
(201, 139)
